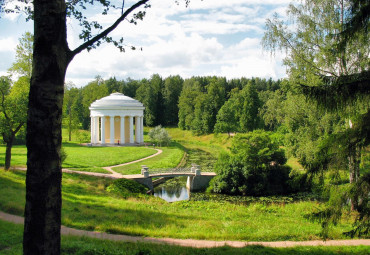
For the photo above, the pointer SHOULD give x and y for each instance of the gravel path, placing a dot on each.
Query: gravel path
(191, 242)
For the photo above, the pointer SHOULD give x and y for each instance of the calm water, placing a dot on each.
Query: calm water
(173, 190)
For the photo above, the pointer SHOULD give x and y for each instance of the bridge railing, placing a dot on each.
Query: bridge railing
(195, 169)
(171, 171)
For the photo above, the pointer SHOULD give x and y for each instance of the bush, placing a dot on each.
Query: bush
(255, 167)
(160, 136)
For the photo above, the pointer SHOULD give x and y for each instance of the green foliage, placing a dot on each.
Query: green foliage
(23, 56)
(91, 92)
(199, 103)
(255, 167)
(159, 136)
(338, 204)
(72, 109)
(127, 187)
(171, 92)
(150, 94)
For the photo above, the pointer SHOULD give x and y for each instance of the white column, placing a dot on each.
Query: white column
(142, 129)
(111, 129)
(102, 129)
(122, 130)
(92, 126)
(137, 129)
(131, 128)
(96, 129)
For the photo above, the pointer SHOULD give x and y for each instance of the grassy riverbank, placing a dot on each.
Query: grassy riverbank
(87, 204)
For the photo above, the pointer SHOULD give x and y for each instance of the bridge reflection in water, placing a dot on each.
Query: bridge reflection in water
(172, 190)
(196, 180)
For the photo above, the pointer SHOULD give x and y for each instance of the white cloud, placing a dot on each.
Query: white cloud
(7, 44)
(207, 38)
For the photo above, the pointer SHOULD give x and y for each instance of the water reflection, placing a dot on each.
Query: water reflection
(173, 190)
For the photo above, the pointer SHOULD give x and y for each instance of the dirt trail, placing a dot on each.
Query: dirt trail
(191, 242)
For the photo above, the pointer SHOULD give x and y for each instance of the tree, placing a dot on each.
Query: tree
(150, 94)
(315, 65)
(249, 119)
(187, 99)
(328, 58)
(23, 56)
(13, 111)
(51, 58)
(255, 167)
(171, 92)
(227, 116)
(72, 106)
(94, 90)
(14, 98)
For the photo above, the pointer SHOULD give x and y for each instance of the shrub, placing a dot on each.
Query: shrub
(160, 136)
(256, 167)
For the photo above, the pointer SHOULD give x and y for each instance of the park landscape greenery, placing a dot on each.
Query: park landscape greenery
(326, 133)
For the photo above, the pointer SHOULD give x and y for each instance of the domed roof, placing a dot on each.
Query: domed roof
(116, 101)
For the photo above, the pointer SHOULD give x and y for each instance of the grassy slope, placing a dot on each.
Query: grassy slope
(11, 244)
(87, 205)
(85, 158)
(169, 158)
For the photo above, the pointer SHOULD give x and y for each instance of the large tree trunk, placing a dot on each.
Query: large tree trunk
(43, 183)
(8, 153)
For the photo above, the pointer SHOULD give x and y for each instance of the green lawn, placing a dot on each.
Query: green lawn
(88, 205)
(11, 244)
(84, 158)
(169, 158)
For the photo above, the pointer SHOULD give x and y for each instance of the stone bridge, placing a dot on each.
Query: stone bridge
(196, 181)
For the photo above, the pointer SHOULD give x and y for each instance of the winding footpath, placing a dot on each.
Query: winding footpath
(113, 174)
(173, 241)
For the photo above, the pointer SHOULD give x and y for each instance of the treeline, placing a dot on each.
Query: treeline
(201, 104)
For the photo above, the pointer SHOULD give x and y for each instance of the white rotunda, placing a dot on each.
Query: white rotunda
(117, 119)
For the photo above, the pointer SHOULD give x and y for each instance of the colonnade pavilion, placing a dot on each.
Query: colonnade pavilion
(117, 119)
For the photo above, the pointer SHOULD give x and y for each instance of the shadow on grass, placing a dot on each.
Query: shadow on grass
(91, 213)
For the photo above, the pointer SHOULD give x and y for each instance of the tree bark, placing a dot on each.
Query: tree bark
(44, 175)
(8, 153)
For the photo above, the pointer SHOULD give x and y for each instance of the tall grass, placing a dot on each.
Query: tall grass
(88, 205)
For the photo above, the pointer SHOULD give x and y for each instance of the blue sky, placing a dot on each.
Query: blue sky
(209, 37)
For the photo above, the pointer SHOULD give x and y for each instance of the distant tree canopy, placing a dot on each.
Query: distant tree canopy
(198, 103)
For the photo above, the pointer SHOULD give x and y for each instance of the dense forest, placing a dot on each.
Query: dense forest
(202, 104)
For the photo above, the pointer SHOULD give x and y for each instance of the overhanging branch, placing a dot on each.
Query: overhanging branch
(106, 31)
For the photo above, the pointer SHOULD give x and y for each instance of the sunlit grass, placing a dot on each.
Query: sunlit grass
(169, 158)
(88, 205)
(11, 243)
(84, 158)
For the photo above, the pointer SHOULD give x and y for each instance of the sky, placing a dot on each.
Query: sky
(209, 37)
